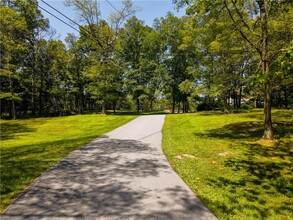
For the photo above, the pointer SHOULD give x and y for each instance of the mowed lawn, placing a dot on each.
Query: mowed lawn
(234, 173)
(31, 146)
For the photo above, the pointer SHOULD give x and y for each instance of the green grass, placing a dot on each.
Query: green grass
(234, 173)
(31, 146)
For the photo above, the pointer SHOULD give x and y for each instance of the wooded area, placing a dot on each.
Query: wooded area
(223, 54)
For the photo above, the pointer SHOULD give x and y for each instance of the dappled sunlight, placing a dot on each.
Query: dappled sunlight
(31, 146)
(105, 179)
(14, 130)
(236, 173)
(250, 130)
(264, 166)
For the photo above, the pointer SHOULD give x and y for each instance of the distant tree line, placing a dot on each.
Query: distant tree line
(223, 54)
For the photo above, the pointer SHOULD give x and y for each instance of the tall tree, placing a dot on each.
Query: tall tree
(101, 37)
(36, 27)
(57, 78)
(132, 36)
(175, 58)
(253, 21)
(13, 30)
(76, 65)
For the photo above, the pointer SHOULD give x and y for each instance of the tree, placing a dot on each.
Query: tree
(100, 37)
(13, 30)
(283, 67)
(76, 65)
(132, 36)
(36, 27)
(151, 59)
(253, 21)
(57, 78)
(175, 59)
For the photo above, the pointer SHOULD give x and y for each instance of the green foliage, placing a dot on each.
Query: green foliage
(29, 147)
(286, 59)
(13, 30)
(175, 59)
(186, 87)
(9, 96)
(180, 62)
(236, 175)
(140, 47)
(259, 27)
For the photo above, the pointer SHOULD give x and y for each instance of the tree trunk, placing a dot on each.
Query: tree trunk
(103, 108)
(151, 105)
(13, 114)
(41, 94)
(82, 103)
(280, 99)
(40, 102)
(32, 97)
(137, 106)
(12, 104)
(235, 100)
(225, 104)
(76, 103)
(285, 98)
(185, 104)
(173, 105)
(114, 107)
(80, 95)
(240, 97)
(183, 107)
(97, 107)
(263, 51)
(65, 104)
(268, 128)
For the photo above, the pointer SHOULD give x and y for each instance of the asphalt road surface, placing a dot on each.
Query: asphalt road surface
(121, 175)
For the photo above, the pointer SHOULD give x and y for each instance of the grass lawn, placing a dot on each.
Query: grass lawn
(234, 173)
(31, 146)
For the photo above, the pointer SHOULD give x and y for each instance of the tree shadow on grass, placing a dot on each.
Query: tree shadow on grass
(247, 130)
(10, 130)
(261, 171)
(257, 183)
(248, 201)
(22, 164)
(266, 166)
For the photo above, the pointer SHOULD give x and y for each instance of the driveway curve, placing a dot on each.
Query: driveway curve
(121, 175)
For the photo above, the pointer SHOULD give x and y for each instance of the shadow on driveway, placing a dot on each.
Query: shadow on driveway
(109, 179)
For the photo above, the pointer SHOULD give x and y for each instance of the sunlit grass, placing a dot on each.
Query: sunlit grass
(235, 174)
(29, 147)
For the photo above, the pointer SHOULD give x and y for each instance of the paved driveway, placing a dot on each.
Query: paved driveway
(122, 175)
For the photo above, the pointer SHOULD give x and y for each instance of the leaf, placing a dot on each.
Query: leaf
(9, 96)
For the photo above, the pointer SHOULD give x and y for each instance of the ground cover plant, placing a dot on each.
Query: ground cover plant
(31, 146)
(223, 160)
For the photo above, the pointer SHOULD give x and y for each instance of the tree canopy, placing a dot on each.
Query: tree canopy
(223, 55)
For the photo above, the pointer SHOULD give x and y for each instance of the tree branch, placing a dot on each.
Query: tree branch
(240, 16)
(239, 30)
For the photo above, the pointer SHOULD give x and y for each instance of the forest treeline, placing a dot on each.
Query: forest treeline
(223, 54)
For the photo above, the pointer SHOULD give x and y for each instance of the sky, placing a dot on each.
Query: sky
(149, 10)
